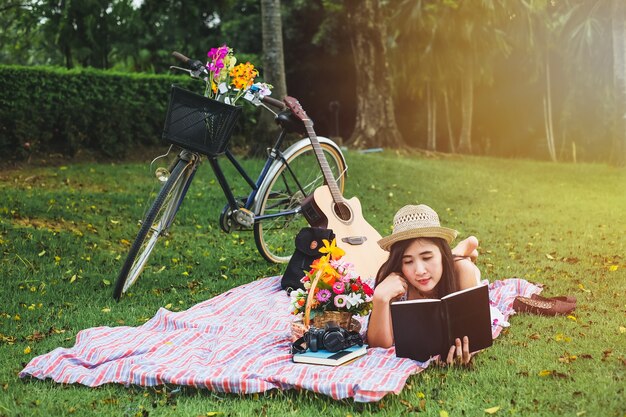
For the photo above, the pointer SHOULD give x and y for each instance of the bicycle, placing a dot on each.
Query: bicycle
(272, 209)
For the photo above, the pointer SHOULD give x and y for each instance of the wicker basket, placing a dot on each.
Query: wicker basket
(199, 123)
(343, 319)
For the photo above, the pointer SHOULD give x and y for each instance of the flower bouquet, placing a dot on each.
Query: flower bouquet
(227, 80)
(333, 291)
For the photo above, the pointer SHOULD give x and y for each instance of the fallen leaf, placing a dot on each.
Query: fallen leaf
(573, 318)
(549, 256)
(492, 410)
(443, 413)
(545, 372)
(26, 350)
(106, 310)
(613, 268)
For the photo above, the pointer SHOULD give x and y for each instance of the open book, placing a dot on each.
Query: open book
(428, 327)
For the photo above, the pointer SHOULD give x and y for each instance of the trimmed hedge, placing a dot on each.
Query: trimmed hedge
(45, 109)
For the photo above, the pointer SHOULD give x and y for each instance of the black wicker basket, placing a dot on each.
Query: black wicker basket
(199, 123)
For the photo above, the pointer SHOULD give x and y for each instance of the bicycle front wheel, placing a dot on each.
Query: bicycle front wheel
(292, 182)
(155, 224)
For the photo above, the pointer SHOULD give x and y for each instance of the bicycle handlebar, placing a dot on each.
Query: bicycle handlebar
(193, 64)
(273, 102)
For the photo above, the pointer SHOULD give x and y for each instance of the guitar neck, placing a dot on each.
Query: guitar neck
(329, 179)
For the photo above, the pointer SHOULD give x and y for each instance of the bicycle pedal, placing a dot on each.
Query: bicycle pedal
(244, 217)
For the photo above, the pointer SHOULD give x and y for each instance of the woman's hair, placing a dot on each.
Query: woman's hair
(447, 284)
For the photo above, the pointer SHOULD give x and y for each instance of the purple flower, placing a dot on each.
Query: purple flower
(216, 59)
(340, 301)
(323, 295)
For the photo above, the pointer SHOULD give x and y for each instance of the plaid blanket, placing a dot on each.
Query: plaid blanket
(235, 342)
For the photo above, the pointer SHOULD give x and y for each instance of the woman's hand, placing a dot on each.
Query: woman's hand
(391, 288)
(459, 353)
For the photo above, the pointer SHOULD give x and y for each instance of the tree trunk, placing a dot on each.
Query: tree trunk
(448, 120)
(547, 113)
(273, 58)
(618, 18)
(467, 108)
(375, 117)
(431, 143)
(273, 72)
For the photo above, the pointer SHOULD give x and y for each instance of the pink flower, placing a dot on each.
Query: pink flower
(339, 287)
(341, 301)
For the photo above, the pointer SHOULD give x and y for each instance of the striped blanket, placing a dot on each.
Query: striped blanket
(235, 342)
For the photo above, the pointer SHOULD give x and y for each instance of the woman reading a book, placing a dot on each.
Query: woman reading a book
(421, 264)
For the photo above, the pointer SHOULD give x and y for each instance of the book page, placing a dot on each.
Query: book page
(462, 291)
(468, 314)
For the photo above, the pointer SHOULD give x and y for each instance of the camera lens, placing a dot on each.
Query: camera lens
(334, 340)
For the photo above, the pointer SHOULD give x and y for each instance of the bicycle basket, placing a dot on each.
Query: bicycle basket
(199, 123)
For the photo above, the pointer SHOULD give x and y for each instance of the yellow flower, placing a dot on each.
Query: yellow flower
(328, 273)
(332, 249)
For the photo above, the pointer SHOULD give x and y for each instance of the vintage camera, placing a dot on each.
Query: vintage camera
(331, 338)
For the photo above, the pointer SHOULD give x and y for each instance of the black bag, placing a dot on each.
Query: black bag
(308, 244)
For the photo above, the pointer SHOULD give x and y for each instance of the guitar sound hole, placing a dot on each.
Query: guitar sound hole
(343, 212)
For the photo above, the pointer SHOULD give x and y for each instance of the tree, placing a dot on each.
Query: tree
(375, 118)
(618, 20)
(273, 70)
(273, 58)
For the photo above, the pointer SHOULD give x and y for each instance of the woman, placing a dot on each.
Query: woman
(421, 265)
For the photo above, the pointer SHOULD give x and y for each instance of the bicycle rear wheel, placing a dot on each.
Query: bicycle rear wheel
(293, 181)
(155, 224)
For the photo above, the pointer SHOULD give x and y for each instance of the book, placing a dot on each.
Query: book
(428, 327)
(324, 357)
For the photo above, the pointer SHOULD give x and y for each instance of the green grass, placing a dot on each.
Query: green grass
(64, 232)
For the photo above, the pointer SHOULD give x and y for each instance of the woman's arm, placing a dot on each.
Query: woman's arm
(379, 330)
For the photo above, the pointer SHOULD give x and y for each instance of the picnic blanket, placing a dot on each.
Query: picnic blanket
(236, 342)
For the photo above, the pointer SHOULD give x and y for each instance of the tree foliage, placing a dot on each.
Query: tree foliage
(463, 75)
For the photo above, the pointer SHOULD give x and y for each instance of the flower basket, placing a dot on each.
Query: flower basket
(343, 319)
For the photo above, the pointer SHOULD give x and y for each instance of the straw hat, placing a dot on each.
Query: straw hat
(416, 221)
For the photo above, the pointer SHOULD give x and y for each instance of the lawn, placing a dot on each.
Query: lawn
(64, 232)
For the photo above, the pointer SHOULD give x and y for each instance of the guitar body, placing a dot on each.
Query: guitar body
(326, 207)
(354, 234)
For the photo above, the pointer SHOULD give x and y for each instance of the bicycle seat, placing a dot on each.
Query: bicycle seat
(289, 122)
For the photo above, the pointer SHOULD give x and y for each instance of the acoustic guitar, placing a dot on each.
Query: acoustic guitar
(326, 207)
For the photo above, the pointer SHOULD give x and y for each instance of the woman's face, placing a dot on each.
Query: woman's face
(422, 266)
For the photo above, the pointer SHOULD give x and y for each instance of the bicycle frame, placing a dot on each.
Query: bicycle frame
(273, 154)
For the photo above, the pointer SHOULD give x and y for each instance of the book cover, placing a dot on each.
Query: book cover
(324, 357)
(428, 327)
